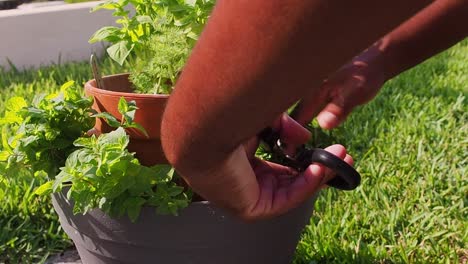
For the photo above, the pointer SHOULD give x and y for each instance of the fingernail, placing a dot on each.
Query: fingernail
(315, 170)
(327, 119)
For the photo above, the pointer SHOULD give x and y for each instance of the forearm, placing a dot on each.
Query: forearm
(254, 59)
(434, 29)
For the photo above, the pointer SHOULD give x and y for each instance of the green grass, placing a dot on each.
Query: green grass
(410, 145)
(411, 148)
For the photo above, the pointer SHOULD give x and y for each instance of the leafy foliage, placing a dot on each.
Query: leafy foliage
(127, 110)
(135, 32)
(50, 135)
(43, 132)
(158, 72)
(103, 174)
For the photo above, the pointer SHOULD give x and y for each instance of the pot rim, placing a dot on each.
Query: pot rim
(91, 87)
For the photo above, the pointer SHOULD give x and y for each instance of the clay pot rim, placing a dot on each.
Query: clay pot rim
(90, 86)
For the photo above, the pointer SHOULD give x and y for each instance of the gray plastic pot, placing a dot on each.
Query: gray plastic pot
(201, 233)
(9, 4)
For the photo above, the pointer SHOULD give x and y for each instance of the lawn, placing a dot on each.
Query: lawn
(410, 145)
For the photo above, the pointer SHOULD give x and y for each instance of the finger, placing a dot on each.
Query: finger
(251, 147)
(333, 114)
(328, 174)
(348, 159)
(267, 192)
(341, 104)
(292, 134)
(310, 181)
(310, 105)
(266, 167)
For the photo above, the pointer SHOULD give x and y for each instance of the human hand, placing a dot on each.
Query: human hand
(354, 84)
(282, 188)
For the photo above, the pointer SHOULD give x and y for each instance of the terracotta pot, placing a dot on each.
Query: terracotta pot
(151, 107)
(200, 234)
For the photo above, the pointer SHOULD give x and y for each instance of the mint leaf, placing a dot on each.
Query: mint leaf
(122, 106)
(15, 104)
(139, 127)
(4, 155)
(44, 189)
(110, 119)
(133, 205)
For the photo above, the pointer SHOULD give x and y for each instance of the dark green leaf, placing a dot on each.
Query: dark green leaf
(110, 119)
(133, 205)
(139, 127)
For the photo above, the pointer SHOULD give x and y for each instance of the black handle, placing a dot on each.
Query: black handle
(347, 178)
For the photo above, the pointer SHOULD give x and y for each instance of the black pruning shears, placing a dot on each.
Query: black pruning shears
(347, 178)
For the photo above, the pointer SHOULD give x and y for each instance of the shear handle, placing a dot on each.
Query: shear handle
(347, 178)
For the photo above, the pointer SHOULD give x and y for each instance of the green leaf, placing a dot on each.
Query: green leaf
(176, 190)
(102, 202)
(144, 19)
(120, 51)
(139, 127)
(132, 105)
(133, 205)
(84, 142)
(171, 173)
(104, 34)
(44, 189)
(161, 172)
(67, 86)
(29, 140)
(191, 2)
(15, 104)
(5, 143)
(4, 155)
(13, 107)
(123, 106)
(109, 5)
(110, 119)
(115, 137)
(10, 118)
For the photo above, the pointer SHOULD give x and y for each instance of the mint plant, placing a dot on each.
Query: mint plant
(49, 140)
(102, 173)
(127, 110)
(43, 132)
(156, 39)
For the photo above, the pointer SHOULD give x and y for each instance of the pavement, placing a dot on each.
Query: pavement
(69, 256)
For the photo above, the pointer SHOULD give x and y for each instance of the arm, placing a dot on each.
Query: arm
(432, 30)
(254, 59)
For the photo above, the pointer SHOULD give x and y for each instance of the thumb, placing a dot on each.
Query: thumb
(342, 103)
(292, 133)
(333, 114)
